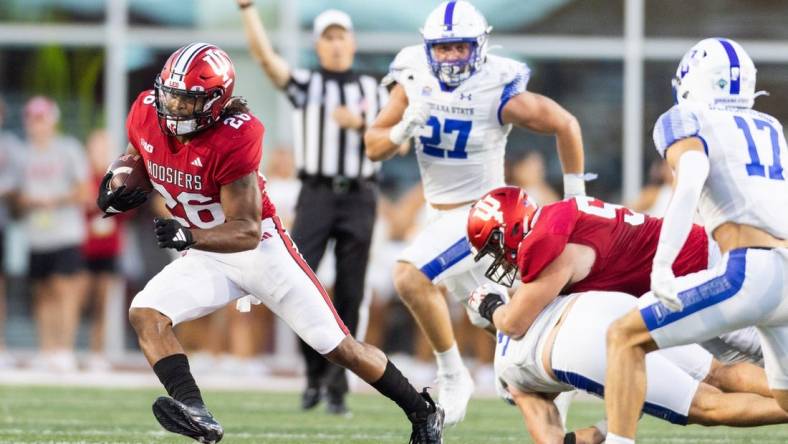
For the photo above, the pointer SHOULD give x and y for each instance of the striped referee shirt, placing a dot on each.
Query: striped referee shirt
(321, 147)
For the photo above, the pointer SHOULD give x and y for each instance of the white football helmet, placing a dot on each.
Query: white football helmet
(456, 21)
(716, 72)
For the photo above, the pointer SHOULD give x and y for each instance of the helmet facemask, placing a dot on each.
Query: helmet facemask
(183, 112)
(503, 269)
(452, 73)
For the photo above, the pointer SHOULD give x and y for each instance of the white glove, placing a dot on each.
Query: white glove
(414, 117)
(663, 285)
(478, 295)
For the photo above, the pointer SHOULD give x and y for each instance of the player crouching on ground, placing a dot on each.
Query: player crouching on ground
(202, 149)
(558, 344)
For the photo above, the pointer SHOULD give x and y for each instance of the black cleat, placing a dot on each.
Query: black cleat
(311, 398)
(427, 426)
(196, 422)
(335, 405)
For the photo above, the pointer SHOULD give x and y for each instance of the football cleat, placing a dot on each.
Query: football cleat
(310, 398)
(335, 405)
(455, 391)
(196, 422)
(427, 428)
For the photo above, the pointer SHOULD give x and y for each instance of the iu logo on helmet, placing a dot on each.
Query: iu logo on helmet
(489, 208)
(219, 64)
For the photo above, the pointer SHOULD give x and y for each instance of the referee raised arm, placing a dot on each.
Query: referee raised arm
(332, 106)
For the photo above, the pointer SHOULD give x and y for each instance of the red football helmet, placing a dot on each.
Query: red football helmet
(497, 224)
(193, 88)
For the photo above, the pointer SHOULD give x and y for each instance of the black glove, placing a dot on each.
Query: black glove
(489, 304)
(120, 200)
(171, 234)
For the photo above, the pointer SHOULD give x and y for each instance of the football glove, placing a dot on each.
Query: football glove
(415, 116)
(663, 285)
(120, 200)
(171, 234)
(485, 300)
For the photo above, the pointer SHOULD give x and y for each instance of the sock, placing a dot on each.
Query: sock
(397, 388)
(612, 438)
(450, 360)
(174, 374)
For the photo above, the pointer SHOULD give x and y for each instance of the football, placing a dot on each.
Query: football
(129, 170)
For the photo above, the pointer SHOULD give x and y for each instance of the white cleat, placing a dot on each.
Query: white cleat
(455, 391)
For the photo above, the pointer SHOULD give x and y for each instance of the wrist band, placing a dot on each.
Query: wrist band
(570, 438)
(246, 5)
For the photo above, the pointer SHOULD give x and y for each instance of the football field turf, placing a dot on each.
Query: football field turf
(80, 415)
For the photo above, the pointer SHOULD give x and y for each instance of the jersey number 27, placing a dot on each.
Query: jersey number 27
(432, 144)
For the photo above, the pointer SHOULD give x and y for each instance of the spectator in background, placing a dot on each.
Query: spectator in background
(101, 249)
(282, 185)
(655, 196)
(52, 195)
(9, 153)
(528, 172)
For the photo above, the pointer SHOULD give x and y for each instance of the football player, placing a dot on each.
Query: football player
(459, 104)
(727, 158)
(576, 245)
(564, 349)
(202, 148)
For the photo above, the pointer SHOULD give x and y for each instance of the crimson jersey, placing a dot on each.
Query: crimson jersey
(625, 243)
(190, 176)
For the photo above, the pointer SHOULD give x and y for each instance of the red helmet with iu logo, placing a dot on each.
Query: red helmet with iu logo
(497, 224)
(193, 88)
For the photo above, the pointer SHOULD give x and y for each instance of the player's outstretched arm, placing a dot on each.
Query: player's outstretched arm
(242, 206)
(393, 126)
(543, 115)
(544, 422)
(275, 67)
(688, 159)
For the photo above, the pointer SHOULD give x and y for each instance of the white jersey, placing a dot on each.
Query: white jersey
(518, 362)
(746, 148)
(461, 149)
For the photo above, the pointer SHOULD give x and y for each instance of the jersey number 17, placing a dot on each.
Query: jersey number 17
(755, 168)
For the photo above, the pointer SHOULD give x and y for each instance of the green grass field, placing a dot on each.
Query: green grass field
(79, 415)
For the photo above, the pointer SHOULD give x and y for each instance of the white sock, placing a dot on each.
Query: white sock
(450, 360)
(612, 438)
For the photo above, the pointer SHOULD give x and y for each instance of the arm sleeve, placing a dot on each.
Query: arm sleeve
(245, 156)
(693, 168)
(679, 122)
(515, 86)
(297, 88)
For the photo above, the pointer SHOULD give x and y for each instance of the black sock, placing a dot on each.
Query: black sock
(173, 372)
(397, 388)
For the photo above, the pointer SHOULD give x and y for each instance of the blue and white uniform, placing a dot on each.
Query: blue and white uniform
(578, 356)
(460, 152)
(746, 185)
